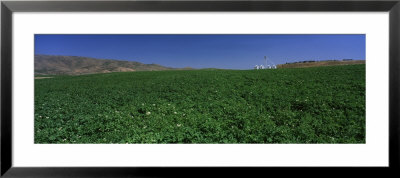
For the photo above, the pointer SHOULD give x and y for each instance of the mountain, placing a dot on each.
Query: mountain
(76, 65)
(302, 64)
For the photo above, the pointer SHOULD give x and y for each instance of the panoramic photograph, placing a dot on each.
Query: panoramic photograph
(199, 89)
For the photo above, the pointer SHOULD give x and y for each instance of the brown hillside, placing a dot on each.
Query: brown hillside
(75, 65)
(320, 63)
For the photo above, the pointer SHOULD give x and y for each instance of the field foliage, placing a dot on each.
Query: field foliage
(304, 105)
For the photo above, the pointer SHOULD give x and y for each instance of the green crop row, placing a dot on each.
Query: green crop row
(307, 105)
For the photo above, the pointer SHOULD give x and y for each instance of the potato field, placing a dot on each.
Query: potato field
(302, 105)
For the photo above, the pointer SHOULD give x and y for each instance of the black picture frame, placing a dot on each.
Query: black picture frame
(8, 7)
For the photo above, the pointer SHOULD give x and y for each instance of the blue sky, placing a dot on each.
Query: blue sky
(205, 51)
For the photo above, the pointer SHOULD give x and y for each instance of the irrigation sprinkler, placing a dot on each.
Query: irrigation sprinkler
(266, 66)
